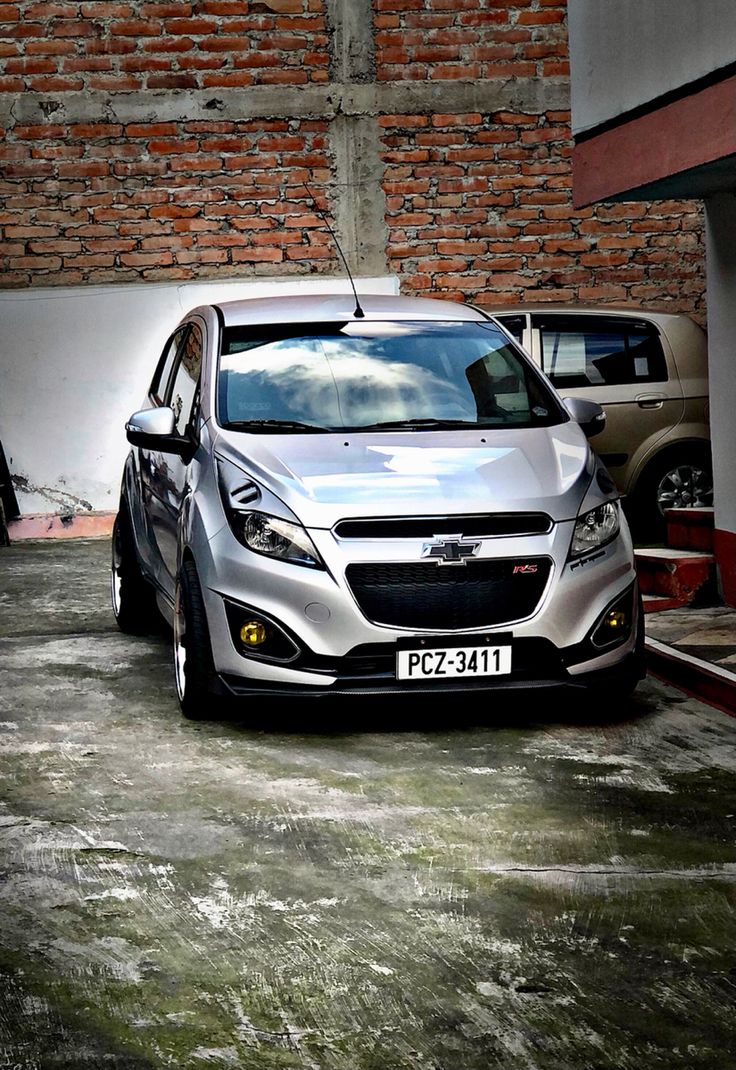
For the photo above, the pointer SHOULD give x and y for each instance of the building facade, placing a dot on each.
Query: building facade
(175, 144)
(654, 116)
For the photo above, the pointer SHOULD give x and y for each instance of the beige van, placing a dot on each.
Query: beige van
(649, 370)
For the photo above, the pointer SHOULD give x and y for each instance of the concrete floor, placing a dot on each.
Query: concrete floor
(507, 885)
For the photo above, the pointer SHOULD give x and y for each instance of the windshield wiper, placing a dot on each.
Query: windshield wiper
(417, 425)
(272, 425)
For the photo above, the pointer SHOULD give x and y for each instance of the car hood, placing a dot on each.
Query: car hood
(326, 478)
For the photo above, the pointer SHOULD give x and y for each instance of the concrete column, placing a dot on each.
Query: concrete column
(720, 236)
(356, 196)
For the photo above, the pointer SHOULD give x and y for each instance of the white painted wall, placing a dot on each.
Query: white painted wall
(624, 53)
(720, 238)
(75, 362)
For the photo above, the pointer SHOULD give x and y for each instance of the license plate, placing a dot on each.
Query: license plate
(446, 662)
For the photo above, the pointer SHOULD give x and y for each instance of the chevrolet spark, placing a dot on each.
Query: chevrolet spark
(323, 498)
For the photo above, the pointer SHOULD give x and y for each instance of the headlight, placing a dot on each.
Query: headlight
(595, 528)
(274, 537)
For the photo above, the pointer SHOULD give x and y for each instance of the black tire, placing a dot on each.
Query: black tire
(193, 664)
(133, 598)
(683, 478)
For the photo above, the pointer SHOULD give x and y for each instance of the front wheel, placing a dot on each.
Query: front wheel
(133, 599)
(193, 665)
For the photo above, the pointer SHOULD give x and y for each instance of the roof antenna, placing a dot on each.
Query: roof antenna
(359, 313)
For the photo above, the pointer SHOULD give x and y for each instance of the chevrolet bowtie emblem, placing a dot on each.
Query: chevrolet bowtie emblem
(450, 550)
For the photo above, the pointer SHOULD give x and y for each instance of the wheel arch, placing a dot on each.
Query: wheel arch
(665, 452)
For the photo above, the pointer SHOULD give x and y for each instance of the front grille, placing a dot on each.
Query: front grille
(481, 525)
(449, 597)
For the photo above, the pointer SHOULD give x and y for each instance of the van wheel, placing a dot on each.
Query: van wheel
(133, 598)
(682, 480)
(193, 665)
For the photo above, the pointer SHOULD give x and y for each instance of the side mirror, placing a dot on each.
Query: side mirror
(153, 429)
(588, 414)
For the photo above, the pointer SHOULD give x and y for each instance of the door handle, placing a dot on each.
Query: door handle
(650, 401)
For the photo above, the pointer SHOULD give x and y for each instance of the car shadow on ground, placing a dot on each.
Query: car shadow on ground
(347, 715)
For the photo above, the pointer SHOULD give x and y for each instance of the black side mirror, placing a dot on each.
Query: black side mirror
(153, 429)
(588, 414)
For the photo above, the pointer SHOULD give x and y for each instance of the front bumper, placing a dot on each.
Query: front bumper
(342, 652)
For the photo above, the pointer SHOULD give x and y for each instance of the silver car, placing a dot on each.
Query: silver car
(327, 499)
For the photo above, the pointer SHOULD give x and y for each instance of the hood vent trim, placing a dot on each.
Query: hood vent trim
(478, 525)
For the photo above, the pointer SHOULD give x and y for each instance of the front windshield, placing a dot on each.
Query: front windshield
(364, 375)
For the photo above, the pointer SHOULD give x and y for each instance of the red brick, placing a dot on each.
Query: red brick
(101, 10)
(194, 27)
(290, 76)
(21, 65)
(556, 68)
(86, 64)
(150, 129)
(135, 28)
(168, 44)
(219, 7)
(114, 83)
(154, 259)
(47, 11)
(183, 226)
(404, 121)
(540, 18)
(235, 78)
(225, 44)
(115, 46)
(470, 119)
(95, 130)
(170, 147)
(170, 10)
(264, 254)
(37, 263)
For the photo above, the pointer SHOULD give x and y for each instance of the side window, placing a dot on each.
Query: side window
(165, 364)
(600, 351)
(514, 325)
(185, 388)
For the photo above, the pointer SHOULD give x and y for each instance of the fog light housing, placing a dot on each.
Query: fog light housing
(253, 633)
(258, 636)
(615, 625)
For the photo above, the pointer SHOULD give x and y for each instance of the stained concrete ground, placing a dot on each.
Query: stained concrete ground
(482, 885)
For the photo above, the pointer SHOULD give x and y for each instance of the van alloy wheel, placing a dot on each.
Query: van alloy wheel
(685, 486)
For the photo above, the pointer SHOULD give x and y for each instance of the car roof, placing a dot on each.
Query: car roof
(320, 308)
(658, 315)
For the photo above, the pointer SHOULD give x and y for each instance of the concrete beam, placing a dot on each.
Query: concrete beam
(311, 102)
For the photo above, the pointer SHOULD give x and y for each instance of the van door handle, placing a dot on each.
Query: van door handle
(650, 401)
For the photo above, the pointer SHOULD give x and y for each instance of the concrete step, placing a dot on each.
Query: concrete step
(674, 574)
(655, 603)
(690, 529)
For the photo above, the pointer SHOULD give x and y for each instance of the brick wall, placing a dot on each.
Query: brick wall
(119, 47)
(103, 202)
(152, 140)
(480, 208)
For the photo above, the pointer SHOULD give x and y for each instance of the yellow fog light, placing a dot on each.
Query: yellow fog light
(616, 620)
(253, 633)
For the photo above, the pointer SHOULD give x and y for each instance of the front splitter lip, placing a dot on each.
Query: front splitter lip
(240, 687)
(228, 685)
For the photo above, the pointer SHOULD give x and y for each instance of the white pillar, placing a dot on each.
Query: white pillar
(720, 214)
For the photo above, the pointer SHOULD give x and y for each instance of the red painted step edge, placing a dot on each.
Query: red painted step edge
(711, 683)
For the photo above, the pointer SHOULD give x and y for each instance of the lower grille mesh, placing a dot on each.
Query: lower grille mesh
(449, 597)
